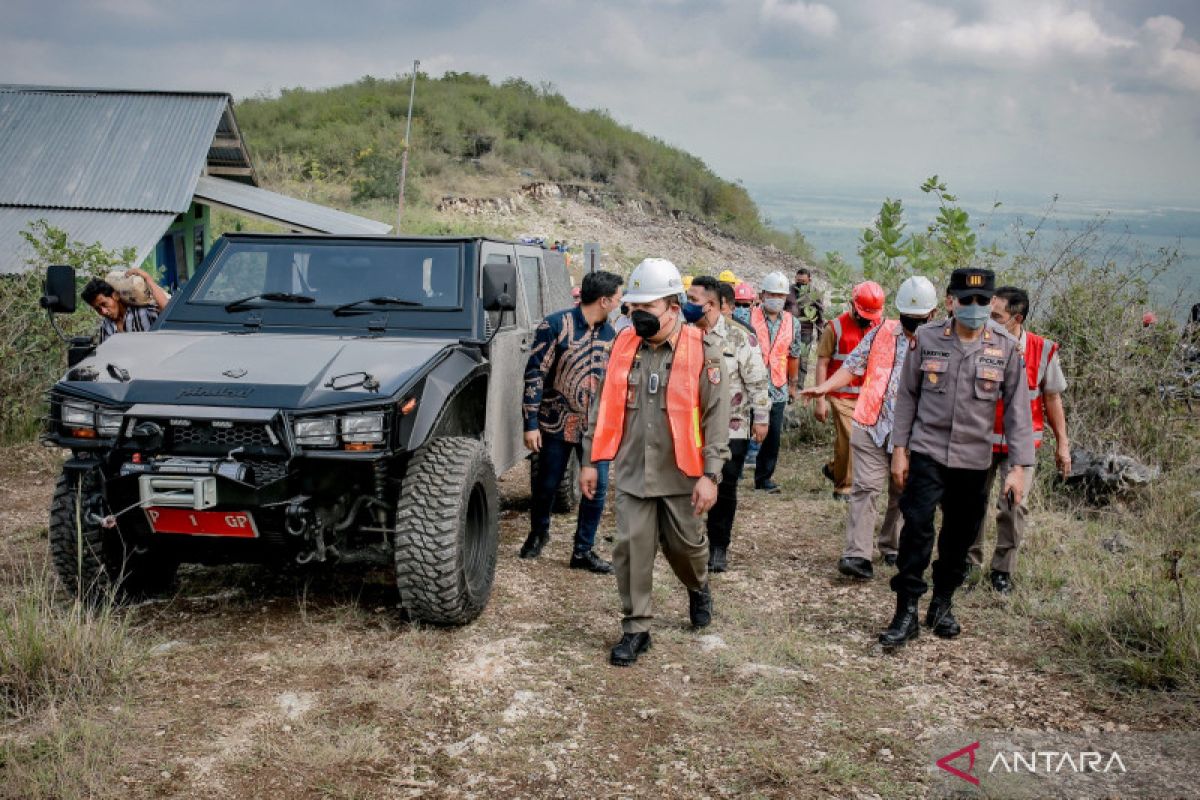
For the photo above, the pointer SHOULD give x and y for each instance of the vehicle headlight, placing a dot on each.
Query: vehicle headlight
(316, 431)
(367, 427)
(79, 415)
(108, 421)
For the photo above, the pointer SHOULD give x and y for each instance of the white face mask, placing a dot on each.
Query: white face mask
(773, 304)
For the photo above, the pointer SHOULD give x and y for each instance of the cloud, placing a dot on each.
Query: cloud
(816, 19)
(1171, 58)
(1034, 34)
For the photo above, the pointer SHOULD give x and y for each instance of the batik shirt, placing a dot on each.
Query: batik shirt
(566, 363)
(856, 363)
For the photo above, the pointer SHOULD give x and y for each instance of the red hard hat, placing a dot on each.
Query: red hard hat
(743, 293)
(1148, 319)
(868, 299)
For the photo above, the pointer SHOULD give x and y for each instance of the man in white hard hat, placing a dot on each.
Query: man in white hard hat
(879, 361)
(778, 335)
(665, 475)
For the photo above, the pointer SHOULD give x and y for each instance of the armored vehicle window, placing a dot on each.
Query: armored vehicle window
(532, 281)
(335, 272)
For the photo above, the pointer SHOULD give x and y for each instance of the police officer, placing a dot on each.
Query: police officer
(710, 308)
(945, 412)
(662, 419)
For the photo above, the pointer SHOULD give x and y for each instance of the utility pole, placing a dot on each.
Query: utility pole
(412, 91)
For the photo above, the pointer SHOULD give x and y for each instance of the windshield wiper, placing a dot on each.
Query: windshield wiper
(274, 297)
(352, 308)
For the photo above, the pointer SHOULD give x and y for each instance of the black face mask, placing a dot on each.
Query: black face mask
(645, 324)
(862, 322)
(911, 323)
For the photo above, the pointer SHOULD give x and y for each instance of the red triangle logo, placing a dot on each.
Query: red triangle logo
(969, 750)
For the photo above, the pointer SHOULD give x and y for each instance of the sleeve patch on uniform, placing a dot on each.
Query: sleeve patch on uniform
(714, 375)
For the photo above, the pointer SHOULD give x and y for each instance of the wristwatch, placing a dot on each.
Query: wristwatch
(715, 477)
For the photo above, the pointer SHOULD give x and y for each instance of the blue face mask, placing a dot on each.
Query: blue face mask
(692, 312)
(742, 315)
(972, 316)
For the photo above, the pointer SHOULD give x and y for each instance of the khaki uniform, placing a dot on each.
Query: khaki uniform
(945, 412)
(653, 497)
(842, 409)
(749, 399)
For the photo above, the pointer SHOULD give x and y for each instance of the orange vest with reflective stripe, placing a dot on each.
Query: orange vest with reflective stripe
(848, 335)
(1038, 352)
(880, 363)
(774, 353)
(683, 399)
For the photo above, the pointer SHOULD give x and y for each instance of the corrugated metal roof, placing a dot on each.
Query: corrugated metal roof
(287, 211)
(133, 151)
(113, 229)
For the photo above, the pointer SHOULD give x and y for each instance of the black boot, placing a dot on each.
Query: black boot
(717, 560)
(591, 562)
(940, 617)
(904, 625)
(700, 606)
(533, 545)
(629, 648)
(859, 568)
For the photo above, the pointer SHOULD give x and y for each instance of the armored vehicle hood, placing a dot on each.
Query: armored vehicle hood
(289, 371)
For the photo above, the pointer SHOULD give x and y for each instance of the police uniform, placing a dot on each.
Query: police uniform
(944, 415)
(653, 496)
(749, 404)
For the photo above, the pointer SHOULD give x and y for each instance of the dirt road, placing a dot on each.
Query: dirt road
(261, 683)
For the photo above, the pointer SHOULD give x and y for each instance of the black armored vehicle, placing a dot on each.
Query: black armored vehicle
(305, 399)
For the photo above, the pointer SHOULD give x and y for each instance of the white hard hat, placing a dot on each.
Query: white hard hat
(775, 283)
(652, 279)
(916, 296)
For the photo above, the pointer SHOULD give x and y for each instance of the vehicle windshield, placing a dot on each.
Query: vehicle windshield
(333, 273)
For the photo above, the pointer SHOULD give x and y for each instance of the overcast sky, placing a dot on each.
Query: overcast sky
(1019, 97)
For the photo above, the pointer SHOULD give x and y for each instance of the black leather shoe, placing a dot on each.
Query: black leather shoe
(856, 568)
(1001, 582)
(718, 561)
(533, 545)
(905, 625)
(700, 606)
(890, 559)
(940, 617)
(628, 649)
(591, 562)
(770, 487)
(827, 471)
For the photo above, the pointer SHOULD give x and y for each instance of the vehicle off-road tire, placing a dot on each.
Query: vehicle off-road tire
(566, 497)
(447, 531)
(96, 563)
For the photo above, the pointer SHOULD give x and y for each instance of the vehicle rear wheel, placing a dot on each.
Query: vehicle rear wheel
(566, 497)
(97, 563)
(447, 531)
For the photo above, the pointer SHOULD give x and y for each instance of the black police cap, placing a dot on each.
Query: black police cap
(970, 281)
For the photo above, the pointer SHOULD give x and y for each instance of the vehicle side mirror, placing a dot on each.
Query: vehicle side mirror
(59, 292)
(499, 287)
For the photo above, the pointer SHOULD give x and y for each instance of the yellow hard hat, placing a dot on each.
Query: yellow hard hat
(687, 281)
(727, 276)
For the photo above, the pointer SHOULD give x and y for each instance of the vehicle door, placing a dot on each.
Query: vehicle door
(509, 350)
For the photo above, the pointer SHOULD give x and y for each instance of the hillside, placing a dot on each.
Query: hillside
(473, 139)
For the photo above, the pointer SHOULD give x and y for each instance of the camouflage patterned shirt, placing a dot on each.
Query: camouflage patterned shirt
(749, 399)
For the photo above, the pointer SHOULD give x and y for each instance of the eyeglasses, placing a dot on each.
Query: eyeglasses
(976, 299)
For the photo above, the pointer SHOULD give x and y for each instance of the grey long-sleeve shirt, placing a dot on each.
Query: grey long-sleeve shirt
(946, 403)
(645, 462)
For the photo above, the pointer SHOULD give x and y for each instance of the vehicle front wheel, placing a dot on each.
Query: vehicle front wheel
(447, 531)
(97, 563)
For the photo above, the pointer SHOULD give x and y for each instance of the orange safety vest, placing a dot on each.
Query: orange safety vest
(881, 361)
(774, 353)
(683, 399)
(848, 335)
(1038, 352)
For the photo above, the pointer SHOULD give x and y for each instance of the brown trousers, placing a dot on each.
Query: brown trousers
(643, 524)
(872, 471)
(843, 418)
(1010, 520)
